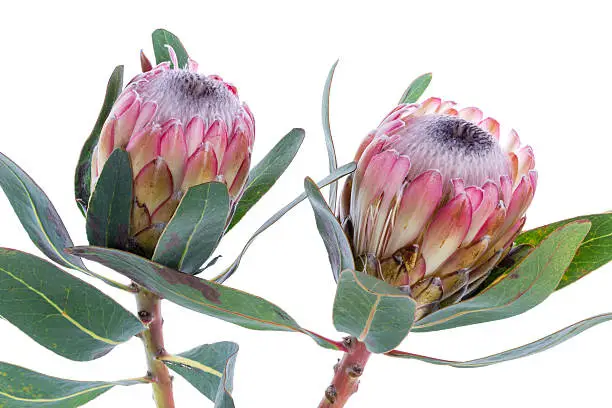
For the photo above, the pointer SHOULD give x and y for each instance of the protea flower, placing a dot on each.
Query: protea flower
(436, 200)
(181, 129)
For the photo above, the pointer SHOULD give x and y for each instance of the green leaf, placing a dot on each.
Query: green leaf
(195, 229)
(110, 208)
(527, 284)
(337, 244)
(23, 388)
(542, 344)
(263, 176)
(594, 252)
(37, 214)
(210, 369)
(60, 312)
(197, 294)
(162, 38)
(416, 89)
(339, 173)
(82, 176)
(378, 314)
(329, 141)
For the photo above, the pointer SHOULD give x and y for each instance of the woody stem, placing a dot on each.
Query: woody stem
(346, 374)
(149, 312)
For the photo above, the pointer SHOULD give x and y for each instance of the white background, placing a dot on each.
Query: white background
(543, 68)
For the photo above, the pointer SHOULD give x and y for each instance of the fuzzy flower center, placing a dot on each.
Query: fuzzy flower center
(454, 146)
(182, 94)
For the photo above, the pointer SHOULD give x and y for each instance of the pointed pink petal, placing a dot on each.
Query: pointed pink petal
(513, 142)
(143, 148)
(458, 186)
(145, 64)
(493, 223)
(506, 189)
(194, 134)
(520, 197)
(236, 188)
(173, 56)
(174, 151)
(153, 185)
(446, 232)
(491, 126)
(419, 201)
(464, 258)
(201, 167)
(364, 143)
(106, 144)
(526, 160)
(476, 195)
(390, 192)
(372, 150)
(429, 106)
(483, 211)
(446, 106)
(147, 111)
(217, 136)
(237, 151)
(473, 115)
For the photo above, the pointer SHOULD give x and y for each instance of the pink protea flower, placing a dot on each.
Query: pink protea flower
(436, 200)
(180, 129)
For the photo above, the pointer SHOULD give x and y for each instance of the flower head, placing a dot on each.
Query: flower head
(436, 200)
(181, 129)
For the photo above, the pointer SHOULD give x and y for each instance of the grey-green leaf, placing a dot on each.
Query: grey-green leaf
(339, 173)
(210, 369)
(82, 176)
(162, 38)
(62, 313)
(329, 141)
(37, 214)
(197, 294)
(524, 286)
(335, 240)
(263, 176)
(195, 229)
(375, 312)
(540, 345)
(594, 252)
(23, 388)
(416, 89)
(110, 208)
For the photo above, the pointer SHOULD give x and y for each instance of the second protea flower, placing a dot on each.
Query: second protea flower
(180, 129)
(436, 200)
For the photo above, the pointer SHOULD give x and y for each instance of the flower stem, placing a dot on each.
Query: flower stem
(149, 312)
(347, 373)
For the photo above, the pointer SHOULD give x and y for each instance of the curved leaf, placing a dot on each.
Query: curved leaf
(378, 314)
(263, 176)
(525, 285)
(540, 345)
(337, 244)
(23, 388)
(37, 214)
(210, 369)
(82, 176)
(195, 229)
(416, 89)
(161, 38)
(339, 173)
(197, 294)
(329, 141)
(110, 208)
(60, 312)
(594, 252)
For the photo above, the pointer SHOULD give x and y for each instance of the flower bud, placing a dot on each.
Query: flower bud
(436, 200)
(180, 129)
